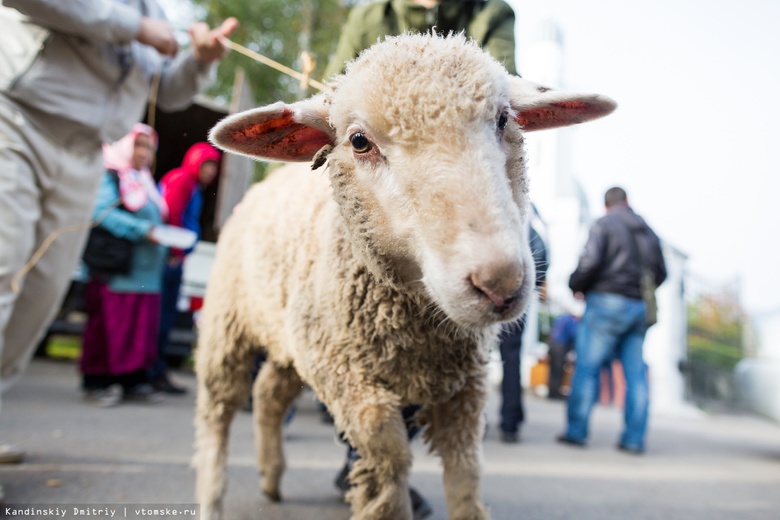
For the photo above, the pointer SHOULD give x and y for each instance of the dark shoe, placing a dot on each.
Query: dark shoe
(633, 450)
(563, 439)
(104, 397)
(342, 479)
(420, 507)
(143, 393)
(509, 437)
(164, 384)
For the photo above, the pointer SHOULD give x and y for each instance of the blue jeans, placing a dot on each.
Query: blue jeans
(612, 326)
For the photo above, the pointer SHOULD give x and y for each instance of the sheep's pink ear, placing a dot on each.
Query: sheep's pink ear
(278, 132)
(538, 107)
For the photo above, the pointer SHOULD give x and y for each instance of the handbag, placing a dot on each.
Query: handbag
(105, 252)
(647, 286)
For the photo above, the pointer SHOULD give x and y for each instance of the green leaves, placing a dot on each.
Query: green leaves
(280, 30)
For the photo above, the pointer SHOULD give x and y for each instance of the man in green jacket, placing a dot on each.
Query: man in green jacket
(491, 23)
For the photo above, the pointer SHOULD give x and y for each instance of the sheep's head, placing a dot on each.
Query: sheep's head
(424, 140)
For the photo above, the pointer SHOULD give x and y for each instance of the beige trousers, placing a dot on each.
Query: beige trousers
(48, 179)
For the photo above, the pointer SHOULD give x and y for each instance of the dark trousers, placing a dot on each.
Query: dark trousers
(407, 412)
(171, 283)
(557, 363)
(512, 411)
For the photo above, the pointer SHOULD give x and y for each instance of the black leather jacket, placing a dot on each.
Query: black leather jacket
(610, 261)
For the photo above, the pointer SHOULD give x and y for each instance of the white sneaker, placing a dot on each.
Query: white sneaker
(105, 397)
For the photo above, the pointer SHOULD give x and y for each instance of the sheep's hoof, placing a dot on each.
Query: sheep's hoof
(273, 496)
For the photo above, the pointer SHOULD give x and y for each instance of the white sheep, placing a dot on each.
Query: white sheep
(381, 279)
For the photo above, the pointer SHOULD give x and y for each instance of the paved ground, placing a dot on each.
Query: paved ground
(710, 468)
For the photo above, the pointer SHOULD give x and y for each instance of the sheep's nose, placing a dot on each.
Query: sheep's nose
(500, 282)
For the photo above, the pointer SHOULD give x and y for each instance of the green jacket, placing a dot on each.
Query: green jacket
(491, 23)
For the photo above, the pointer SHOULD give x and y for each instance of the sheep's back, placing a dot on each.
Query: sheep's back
(265, 251)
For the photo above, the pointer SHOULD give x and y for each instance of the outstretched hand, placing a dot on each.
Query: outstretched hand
(206, 44)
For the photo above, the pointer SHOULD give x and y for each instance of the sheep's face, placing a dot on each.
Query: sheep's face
(434, 160)
(426, 165)
(446, 211)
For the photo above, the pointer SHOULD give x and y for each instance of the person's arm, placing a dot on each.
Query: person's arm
(95, 20)
(540, 256)
(177, 190)
(181, 79)
(501, 44)
(101, 21)
(118, 222)
(493, 28)
(190, 72)
(590, 262)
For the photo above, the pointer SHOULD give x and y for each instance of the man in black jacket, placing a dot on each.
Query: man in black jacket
(608, 275)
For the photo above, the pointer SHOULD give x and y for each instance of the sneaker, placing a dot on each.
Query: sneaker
(163, 384)
(342, 479)
(105, 397)
(563, 439)
(143, 393)
(10, 454)
(630, 449)
(420, 507)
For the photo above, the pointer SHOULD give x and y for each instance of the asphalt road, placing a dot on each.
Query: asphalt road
(714, 467)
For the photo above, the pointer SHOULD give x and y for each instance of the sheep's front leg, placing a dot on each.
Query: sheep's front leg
(373, 424)
(275, 389)
(223, 383)
(455, 430)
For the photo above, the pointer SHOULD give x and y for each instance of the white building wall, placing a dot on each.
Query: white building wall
(665, 344)
(759, 378)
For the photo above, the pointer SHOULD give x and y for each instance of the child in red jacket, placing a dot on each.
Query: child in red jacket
(181, 189)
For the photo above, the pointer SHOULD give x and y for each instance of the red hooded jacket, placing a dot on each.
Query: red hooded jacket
(179, 185)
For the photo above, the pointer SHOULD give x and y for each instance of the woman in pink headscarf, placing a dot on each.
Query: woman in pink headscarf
(120, 337)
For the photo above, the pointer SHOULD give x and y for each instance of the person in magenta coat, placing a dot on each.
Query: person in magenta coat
(181, 189)
(118, 347)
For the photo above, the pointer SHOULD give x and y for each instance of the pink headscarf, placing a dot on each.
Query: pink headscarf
(136, 187)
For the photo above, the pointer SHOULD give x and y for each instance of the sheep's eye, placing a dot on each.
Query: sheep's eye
(503, 119)
(360, 143)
